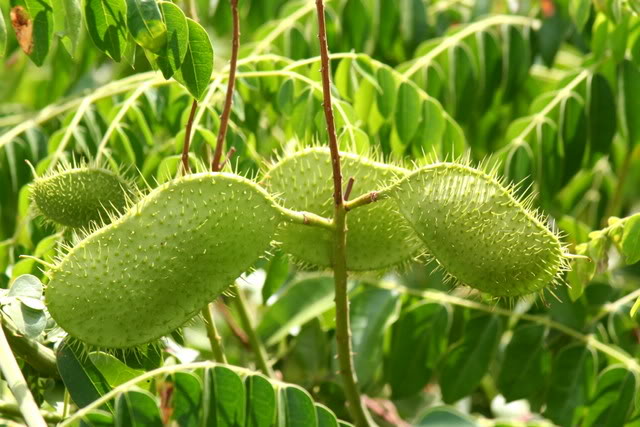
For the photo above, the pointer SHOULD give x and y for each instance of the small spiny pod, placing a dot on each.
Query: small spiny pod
(378, 235)
(478, 231)
(154, 268)
(80, 196)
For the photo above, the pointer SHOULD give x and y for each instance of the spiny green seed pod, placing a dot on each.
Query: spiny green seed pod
(378, 236)
(154, 268)
(478, 232)
(80, 196)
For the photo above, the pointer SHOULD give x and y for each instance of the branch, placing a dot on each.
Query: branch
(343, 331)
(14, 378)
(41, 358)
(363, 200)
(224, 119)
(307, 218)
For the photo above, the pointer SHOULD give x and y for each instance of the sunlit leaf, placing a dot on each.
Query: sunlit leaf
(106, 24)
(177, 39)
(145, 23)
(195, 71)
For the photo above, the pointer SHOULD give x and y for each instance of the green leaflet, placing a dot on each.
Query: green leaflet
(195, 71)
(145, 24)
(170, 59)
(106, 25)
(153, 269)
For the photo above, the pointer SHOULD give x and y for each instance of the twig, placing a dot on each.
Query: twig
(14, 378)
(343, 330)
(214, 336)
(307, 218)
(247, 324)
(233, 326)
(187, 138)
(228, 157)
(365, 199)
(224, 119)
(347, 192)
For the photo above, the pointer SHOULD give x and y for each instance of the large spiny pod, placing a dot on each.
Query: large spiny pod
(478, 232)
(80, 196)
(154, 268)
(378, 236)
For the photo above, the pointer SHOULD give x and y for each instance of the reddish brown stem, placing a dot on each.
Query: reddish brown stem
(233, 326)
(224, 119)
(228, 157)
(187, 138)
(347, 192)
(328, 110)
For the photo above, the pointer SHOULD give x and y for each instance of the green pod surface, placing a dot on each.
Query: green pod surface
(478, 232)
(154, 268)
(378, 235)
(80, 196)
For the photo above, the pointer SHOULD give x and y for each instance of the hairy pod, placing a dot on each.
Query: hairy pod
(154, 268)
(80, 196)
(378, 236)
(478, 232)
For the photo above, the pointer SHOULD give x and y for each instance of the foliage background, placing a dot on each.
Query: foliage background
(549, 90)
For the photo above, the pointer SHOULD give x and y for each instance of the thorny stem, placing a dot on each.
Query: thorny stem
(224, 119)
(17, 384)
(187, 138)
(247, 324)
(214, 336)
(343, 331)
